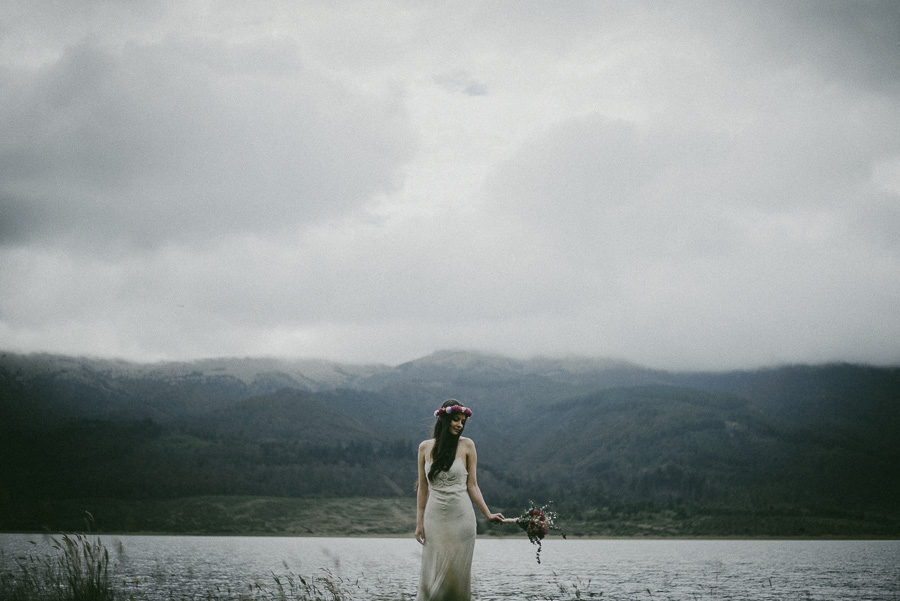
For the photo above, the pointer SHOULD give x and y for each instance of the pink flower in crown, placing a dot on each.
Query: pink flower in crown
(454, 409)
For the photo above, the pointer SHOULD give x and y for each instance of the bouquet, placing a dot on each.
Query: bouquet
(536, 522)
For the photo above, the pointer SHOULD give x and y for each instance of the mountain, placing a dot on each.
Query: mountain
(286, 414)
(821, 394)
(799, 440)
(667, 444)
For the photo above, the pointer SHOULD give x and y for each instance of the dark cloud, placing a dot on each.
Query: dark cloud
(856, 42)
(187, 141)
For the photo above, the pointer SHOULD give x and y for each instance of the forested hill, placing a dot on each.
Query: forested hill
(596, 436)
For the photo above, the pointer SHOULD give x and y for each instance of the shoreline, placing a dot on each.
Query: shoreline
(479, 536)
(394, 517)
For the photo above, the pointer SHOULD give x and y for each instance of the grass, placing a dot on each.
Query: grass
(77, 569)
(286, 516)
(235, 515)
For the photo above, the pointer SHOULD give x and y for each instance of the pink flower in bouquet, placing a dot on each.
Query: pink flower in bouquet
(537, 522)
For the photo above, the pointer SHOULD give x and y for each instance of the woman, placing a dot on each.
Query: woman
(445, 521)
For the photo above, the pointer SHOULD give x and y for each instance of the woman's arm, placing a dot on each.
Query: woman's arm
(472, 483)
(421, 494)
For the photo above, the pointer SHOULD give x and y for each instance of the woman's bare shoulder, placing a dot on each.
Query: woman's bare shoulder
(426, 445)
(468, 443)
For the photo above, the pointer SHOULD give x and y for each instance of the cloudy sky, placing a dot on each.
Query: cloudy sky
(679, 184)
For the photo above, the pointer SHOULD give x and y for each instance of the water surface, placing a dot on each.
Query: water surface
(162, 567)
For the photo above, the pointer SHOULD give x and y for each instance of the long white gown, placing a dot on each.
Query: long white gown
(449, 522)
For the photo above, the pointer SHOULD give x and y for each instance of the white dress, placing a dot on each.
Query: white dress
(449, 522)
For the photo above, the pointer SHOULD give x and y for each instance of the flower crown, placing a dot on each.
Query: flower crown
(454, 409)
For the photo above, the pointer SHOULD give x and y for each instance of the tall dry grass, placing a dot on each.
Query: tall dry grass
(77, 569)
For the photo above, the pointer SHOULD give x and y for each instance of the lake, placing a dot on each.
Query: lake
(163, 567)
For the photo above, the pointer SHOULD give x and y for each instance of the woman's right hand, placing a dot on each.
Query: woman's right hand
(420, 534)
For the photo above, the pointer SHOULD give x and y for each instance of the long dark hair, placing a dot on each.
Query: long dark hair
(444, 452)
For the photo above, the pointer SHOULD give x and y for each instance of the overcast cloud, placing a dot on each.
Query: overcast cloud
(679, 184)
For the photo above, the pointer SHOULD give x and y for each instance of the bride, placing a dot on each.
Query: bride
(445, 521)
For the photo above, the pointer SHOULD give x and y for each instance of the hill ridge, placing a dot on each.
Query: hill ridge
(812, 440)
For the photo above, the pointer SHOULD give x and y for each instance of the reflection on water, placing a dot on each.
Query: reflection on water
(387, 568)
